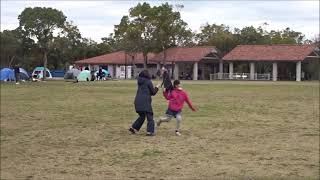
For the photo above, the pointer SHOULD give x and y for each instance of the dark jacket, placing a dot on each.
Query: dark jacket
(166, 81)
(16, 70)
(143, 99)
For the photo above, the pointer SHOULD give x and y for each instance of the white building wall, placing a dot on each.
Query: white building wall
(110, 70)
(120, 72)
(152, 71)
(95, 68)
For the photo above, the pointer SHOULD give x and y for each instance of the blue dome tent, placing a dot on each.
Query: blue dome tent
(7, 74)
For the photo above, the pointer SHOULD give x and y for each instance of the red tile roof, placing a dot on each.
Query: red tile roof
(185, 54)
(269, 53)
(115, 58)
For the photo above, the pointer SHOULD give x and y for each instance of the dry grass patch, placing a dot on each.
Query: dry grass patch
(243, 130)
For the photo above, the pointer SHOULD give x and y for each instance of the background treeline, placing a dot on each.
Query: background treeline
(45, 37)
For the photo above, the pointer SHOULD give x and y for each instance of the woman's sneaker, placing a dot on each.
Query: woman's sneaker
(149, 134)
(178, 133)
(132, 130)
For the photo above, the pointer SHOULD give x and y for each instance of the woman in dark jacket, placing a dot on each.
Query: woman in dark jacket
(142, 103)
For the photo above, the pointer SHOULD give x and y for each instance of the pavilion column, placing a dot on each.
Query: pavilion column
(114, 71)
(176, 71)
(274, 71)
(134, 69)
(158, 66)
(298, 71)
(220, 74)
(195, 71)
(202, 70)
(252, 69)
(230, 70)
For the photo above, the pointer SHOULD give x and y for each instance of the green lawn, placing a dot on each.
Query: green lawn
(243, 130)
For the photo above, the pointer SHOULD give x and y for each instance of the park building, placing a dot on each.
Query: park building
(271, 62)
(182, 62)
(119, 64)
(244, 62)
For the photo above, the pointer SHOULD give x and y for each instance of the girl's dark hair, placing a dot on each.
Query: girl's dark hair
(176, 82)
(145, 74)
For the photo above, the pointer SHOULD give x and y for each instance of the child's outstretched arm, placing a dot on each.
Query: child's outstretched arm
(189, 102)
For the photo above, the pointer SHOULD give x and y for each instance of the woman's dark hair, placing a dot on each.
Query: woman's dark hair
(176, 82)
(145, 74)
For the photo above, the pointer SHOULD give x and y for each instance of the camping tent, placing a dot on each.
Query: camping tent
(85, 75)
(39, 71)
(72, 74)
(23, 74)
(7, 74)
(106, 73)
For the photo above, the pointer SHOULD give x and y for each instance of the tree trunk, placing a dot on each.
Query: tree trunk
(44, 65)
(145, 63)
(164, 56)
(11, 60)
(172, 68)
(134, 68)
(125, 66)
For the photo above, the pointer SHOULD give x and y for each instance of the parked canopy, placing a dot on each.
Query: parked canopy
(72, 73)
(85, 75)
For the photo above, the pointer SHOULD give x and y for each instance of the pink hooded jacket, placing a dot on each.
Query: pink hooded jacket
(176, 98)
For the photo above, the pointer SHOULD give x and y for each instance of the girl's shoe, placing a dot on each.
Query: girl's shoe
(178, 133)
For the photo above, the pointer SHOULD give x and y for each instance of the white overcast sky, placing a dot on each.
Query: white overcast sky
(96, 19)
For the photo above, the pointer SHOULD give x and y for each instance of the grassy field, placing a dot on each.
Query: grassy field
(243, 130)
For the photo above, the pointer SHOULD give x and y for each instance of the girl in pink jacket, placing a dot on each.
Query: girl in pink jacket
(176, 98)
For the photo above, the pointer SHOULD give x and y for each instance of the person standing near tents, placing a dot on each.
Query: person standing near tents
(100, 74)
(142, 103)
(17, 73)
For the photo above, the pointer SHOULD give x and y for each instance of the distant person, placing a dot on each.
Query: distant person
(166, 80)
(93, 77)
(176, 98)
(181, 76)
(17, 73)
(86, 68)
(100, 74)
(143, 102)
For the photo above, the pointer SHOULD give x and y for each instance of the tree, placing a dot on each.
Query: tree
(151, 29)
(126, 36)
(170, 29)
(217, 35)
(10, 47)
(250, 35)
(141, 28)
(111, 42)
(40, 22)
